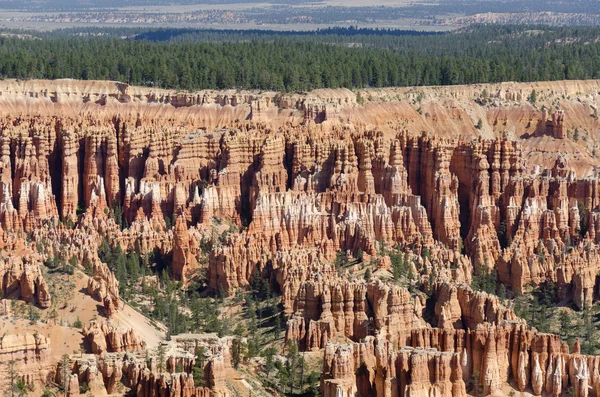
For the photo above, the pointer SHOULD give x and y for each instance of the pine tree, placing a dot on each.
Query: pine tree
(533, 97)
(160, 356)
(236, 352)
(476, 384)
(269, 354)
(359, 255)
(276, 327)
(587, 331)
(66, 371)
(368, 275)
(565, 330)
(198, 369)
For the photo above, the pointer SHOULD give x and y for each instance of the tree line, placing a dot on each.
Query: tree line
(291, 64)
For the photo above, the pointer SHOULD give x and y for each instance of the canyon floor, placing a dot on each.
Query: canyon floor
(421, 241)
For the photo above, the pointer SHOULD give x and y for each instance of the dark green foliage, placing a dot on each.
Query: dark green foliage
(83, 388)
(537, 307)
(484, 280)
(60, 265)
(116, 211)
(502, 234)
(426, 254)
(269, 355)
(80, 209)
(198, 369)
(340, 259)
(303, 62)
(88, 269)
(206, 245)
(21, 388)
(368, 275)
(540, 252)
(291, 374)
(359, 255)
(276, 327)
(169, 222)
(566, 330)
(533, 97)
(205, 315)
(261, 290)
(77, 323)
(476, 386)
(160, 357)
(401, 267)
(502, 291)
(169, 300)
(359, 99)
(34, 315)
(127, 267)
(546, 294)
(236, 352)
(587, 332)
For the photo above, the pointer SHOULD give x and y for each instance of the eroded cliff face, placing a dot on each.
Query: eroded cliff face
(442, 361)
(30, 358)
(230, 186)
(124, 362)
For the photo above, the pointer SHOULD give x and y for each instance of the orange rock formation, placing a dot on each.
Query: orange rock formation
(231, 185)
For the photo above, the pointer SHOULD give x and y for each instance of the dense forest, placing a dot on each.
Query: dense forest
(218, 60)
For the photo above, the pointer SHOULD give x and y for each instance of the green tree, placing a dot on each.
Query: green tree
(368, 275)
(502, 291)
(77, 323)
(34, 315)
(340, 260)
(160, 357)
(476, 385)
(399, 265)
(236, 352)
(484, 280)
(269, 355)
(276, 326)
(21, 388)
(566, 327)
(359, 255)
(66, 371)
(587, 331)
(198, 369)
(533, 97)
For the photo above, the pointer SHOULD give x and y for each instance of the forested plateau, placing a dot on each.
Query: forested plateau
(333, 58)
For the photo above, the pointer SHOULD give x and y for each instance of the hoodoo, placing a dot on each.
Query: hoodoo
(155, 242)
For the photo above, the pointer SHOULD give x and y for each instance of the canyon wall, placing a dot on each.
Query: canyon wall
(305, 191)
